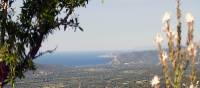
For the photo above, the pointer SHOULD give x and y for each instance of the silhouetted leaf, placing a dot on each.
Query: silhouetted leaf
(81, 28)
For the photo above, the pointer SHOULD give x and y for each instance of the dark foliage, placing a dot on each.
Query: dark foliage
(21, 35)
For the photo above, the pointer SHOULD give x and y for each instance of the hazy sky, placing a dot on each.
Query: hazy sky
(119, 25)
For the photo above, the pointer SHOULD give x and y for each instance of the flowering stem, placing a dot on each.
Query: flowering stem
(177, 55)
(178, 70)
(164, 66)
(193, 73)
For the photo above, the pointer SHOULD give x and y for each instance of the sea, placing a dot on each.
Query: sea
(74, 59)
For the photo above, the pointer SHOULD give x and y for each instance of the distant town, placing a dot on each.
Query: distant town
(125, 70)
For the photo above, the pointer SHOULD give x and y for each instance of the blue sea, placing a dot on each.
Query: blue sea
(73, 59)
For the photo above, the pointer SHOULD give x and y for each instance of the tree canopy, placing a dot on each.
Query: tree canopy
(22, 34)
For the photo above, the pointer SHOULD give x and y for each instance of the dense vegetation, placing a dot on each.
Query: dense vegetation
(22, 33)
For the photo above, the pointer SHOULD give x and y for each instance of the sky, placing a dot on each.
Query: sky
(120, 25)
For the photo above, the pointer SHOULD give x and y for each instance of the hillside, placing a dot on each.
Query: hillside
(134, 70)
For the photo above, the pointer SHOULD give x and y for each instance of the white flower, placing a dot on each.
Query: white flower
(5, 5)
(197, 82)
(191, 49)
(175, 34)
(164, 56)
(169, 34)
(1, 59)
(184, 84)
(166, 17)
(155, 81)
(189, 18)
(195, 52)
(158, 38)
(191, 86)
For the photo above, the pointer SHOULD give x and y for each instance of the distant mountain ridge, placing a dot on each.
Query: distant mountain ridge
(149, 57)
(139, 57)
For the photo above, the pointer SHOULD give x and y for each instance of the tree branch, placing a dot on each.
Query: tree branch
(48, 51)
